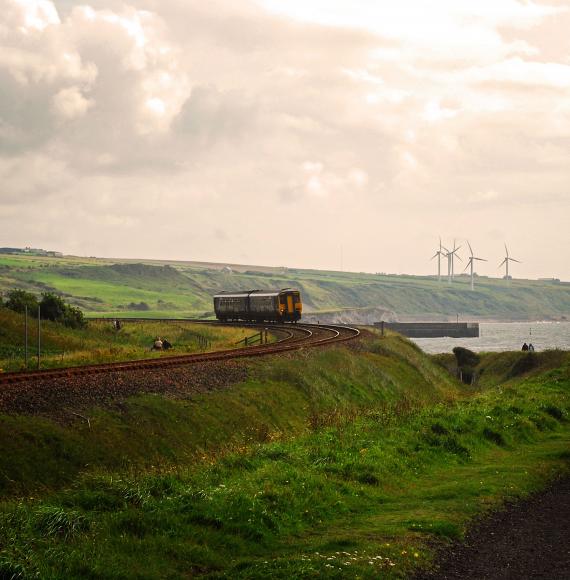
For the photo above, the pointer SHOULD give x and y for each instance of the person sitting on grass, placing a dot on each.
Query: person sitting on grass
(158, 344)
(525, 347)
(166, 345)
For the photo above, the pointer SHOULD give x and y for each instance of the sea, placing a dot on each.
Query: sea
(502, 336)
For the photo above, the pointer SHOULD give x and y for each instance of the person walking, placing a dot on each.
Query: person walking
(525, 347)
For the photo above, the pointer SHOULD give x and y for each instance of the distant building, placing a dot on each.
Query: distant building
(553, 280)
(32, 252)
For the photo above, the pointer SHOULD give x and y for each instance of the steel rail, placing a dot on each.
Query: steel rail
(298, 336)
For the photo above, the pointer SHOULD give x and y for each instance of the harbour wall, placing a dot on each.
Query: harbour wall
(433, 329)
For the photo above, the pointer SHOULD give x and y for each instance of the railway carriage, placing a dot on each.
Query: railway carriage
(259, 306)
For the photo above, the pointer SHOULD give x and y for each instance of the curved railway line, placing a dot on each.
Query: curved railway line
(292, 337)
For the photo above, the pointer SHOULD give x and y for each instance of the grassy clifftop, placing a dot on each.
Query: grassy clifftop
(184, 288)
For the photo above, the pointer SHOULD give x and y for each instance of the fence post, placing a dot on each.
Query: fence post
(382, 326)
(26, 337)
(39, 335)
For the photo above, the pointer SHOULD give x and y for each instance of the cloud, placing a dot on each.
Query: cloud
(70, 103)
(195, 119)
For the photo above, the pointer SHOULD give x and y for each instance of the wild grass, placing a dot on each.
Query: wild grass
(101, 343)
(346, 466)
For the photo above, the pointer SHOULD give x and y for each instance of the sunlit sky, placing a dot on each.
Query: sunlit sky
(289, 133)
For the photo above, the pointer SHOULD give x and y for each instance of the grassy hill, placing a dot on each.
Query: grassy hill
(113, 287)
(350, 462)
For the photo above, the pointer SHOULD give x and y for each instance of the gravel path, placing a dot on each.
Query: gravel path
(530, 539)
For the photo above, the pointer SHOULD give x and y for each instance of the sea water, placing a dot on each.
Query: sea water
(501, 336)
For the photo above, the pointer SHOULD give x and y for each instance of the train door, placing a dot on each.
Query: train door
(290, 306)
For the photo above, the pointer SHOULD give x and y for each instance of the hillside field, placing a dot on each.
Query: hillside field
(105, 287)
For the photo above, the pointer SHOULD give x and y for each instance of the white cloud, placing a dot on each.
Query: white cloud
(153, 116)
(69, 103)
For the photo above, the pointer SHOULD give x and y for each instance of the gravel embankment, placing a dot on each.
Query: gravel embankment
(529, 539)
(60, 398)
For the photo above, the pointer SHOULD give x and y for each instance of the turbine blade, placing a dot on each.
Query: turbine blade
(434, 256)
(513, 260)
(507, 250)
(470, 248)
(468, 264)
(502, 262)
(481, 259)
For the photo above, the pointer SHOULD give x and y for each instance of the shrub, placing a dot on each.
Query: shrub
(18, 300)
(56, 309)
(141, 306)
(465, 357)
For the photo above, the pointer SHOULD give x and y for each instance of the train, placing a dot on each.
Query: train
(259, 306)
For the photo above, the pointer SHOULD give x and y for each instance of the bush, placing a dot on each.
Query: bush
(18, 300)
(56, 309)
(141, 306)
(465, 357)
(467, 360)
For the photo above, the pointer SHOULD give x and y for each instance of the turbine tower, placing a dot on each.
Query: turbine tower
(470, 264)
(439, 253)
(506, 262)
(451, 255)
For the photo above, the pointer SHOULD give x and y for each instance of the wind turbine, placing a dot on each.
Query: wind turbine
(470, 264)
(450, 255)
(439, 253)
(506, 262)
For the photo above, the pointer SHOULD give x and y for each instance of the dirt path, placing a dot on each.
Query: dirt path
(530, 539)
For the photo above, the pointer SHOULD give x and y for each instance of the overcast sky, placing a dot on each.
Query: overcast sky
(276, 131)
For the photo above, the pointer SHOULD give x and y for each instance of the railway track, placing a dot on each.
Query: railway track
(292, 337)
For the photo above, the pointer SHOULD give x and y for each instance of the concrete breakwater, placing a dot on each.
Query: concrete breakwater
(433, 329)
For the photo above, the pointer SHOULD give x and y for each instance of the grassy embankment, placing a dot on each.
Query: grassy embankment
(186, 289)
(100, 343)
(340, 463)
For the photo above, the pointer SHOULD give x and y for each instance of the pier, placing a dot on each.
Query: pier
(433, 329)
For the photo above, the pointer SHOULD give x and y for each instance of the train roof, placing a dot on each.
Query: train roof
(245, 293)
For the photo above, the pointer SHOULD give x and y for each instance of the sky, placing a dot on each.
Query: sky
(303, 133)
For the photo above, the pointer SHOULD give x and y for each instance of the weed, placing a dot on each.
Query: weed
(55, 521)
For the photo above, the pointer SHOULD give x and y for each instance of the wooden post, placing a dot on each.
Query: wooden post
(26, 337)
(382, 326)
(39, 335)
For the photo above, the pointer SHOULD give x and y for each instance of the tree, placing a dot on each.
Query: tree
(56, 309)
(467, 360)
(17, 300)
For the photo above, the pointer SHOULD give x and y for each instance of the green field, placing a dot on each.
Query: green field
(352, 462)
(118, 287)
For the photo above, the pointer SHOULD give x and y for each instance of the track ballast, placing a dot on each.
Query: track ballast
(293, 337)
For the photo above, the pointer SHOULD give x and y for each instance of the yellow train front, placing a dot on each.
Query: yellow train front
(259, 306)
